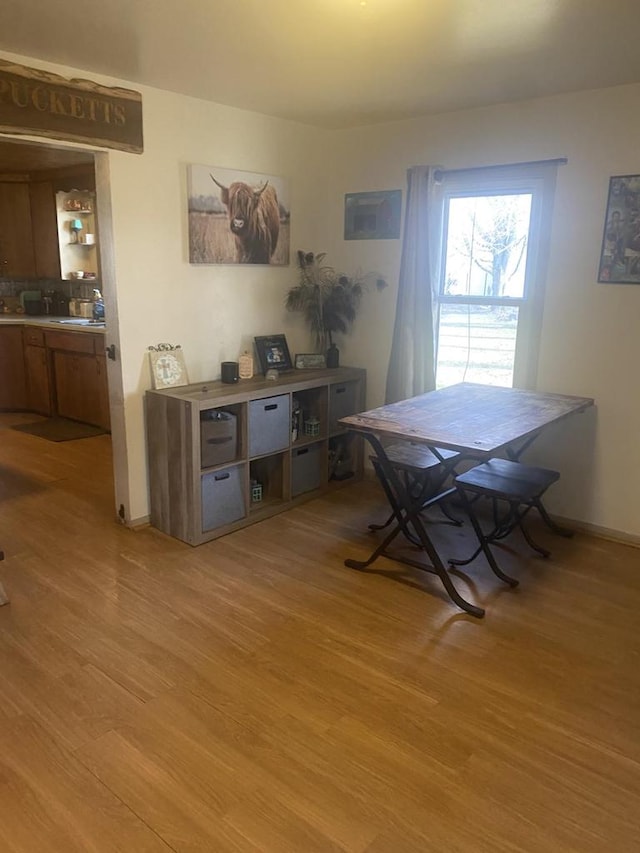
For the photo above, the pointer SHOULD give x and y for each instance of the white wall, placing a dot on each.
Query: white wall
(591, 334)
(590, 340)
(212, 311)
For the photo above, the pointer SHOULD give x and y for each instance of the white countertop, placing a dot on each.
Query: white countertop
(67, 323)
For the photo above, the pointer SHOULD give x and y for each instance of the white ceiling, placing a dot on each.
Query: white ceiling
(338, 63)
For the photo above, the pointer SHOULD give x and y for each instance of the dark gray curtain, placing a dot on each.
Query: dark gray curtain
(412, 363)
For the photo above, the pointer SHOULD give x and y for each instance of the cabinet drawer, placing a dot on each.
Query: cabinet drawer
(222, 497)
(72, 341)
(34, 336)
(269, 425)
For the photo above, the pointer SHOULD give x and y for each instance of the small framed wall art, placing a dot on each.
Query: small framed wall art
(273, 352)
(372, 216)
(168, 368)
(620, 252)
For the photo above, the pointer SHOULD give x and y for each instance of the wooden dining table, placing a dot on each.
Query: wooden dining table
(478, 422)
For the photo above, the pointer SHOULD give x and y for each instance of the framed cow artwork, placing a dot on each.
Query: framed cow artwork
(237, 217)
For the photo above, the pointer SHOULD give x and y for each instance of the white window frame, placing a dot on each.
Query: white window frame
(539, 180)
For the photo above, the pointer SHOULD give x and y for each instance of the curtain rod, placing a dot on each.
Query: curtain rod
(559, 161)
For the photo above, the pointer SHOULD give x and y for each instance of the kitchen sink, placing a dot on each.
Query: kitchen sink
(80, 321)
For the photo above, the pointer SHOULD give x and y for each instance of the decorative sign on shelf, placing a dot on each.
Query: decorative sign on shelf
(168, 369)
(45, 104)
(307, 360)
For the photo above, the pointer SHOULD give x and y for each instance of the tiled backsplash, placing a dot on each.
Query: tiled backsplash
(14, 287)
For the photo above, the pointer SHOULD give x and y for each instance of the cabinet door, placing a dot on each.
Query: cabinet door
(69, 398)
(13, 384)
(44, 228)
(16, 242)
(81, 388)
(38, 391)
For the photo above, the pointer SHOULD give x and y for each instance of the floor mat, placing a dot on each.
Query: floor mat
(60, 429)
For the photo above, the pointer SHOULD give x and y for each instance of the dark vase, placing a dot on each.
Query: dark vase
(333, 356)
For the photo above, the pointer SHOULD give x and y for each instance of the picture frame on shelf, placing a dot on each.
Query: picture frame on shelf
(168, 368)
(310, 360)
(273, 353)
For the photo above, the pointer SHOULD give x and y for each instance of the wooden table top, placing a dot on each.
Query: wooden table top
(480, 419)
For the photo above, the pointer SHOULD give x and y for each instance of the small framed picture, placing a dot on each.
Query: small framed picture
(372, 215)
(308, 360)
(273, 352)
(620, 252)
(168, 368)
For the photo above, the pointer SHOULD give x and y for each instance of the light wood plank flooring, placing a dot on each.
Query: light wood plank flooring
(253, 694)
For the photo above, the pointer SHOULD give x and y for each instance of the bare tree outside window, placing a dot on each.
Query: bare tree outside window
(485, 264)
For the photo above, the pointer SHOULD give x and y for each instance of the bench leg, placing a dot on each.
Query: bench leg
(484, 544)
(561, 531)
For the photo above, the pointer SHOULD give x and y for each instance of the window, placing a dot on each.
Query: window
(496, 226)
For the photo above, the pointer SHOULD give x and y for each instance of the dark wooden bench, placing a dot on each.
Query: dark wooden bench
(418, 468)
(514, 489)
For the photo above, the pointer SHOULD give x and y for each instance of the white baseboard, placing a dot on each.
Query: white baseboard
(137, 523)
(599, 532)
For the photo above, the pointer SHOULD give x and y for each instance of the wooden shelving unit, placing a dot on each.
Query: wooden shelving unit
(249, 427)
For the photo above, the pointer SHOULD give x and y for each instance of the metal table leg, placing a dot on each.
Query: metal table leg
(406, 512)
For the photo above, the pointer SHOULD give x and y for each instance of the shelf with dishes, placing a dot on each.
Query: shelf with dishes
(78, 230)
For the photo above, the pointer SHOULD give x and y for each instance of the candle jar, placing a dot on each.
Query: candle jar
(245, 366)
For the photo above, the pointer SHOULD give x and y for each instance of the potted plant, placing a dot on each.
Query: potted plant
(328, 300)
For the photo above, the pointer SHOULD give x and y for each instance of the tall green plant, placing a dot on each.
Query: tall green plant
(327, 300)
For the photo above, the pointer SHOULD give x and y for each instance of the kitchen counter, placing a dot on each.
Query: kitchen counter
(54, 368)
(79, 324)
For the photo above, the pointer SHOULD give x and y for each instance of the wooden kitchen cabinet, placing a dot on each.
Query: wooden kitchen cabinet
(36, 363)
(76, 377)
(44, 229)
(13, 385)
(28, 230)
(79, 376)
(17, 258)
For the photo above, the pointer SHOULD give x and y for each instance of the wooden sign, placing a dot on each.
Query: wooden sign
(44, 104)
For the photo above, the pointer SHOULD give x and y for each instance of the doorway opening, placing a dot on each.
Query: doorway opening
(56, 230)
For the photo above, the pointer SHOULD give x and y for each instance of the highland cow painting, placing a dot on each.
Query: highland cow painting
(237, 217)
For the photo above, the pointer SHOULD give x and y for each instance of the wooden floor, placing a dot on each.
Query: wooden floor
(253, 694)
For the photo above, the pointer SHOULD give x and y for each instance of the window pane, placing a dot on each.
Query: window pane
(476, 344)
(487, 245)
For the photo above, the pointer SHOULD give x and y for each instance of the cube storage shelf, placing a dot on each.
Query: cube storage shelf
(225, 456)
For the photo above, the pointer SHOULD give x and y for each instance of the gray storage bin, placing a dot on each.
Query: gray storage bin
(269, 425)
(218, 437)
(305, 469)
(222, 497)
(343, 401)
